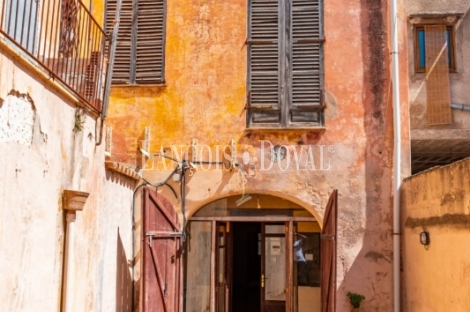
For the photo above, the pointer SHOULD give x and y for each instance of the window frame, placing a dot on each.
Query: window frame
(285, 74)
(417, 48)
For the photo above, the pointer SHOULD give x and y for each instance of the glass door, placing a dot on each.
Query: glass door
(305, 267)
(273, 268)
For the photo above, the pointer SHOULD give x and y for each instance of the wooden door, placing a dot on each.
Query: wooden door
(328, 255)
(223, 267)
(273, 268)
(162, 254)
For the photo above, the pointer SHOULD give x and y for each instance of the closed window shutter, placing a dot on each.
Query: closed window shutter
(263, 67)
(306, 63)
(150, 42)
(122, 59)
(437, 75)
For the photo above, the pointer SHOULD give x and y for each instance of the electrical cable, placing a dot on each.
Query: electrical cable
(184, 166)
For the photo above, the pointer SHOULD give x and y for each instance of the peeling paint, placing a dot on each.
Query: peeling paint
(17, 114)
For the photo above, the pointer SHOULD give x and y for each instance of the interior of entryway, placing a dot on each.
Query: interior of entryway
(247, 259)
(246, 281)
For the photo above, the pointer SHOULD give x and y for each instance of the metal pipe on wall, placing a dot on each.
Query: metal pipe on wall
(67, 294)
(396, 155)
(462, 107)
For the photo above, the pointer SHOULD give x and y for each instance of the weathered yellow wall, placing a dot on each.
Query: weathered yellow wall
(204, 98)
(437, 201)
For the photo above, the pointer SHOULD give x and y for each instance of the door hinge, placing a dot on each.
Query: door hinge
(164, 234)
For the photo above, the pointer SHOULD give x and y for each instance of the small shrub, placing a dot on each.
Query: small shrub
(355, 299)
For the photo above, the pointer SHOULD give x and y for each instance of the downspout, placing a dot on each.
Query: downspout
(112, 53)
(109, 73)
(396, 155)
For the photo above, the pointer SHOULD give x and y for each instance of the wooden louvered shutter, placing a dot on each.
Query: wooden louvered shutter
(263, 64)
(306, 85)
(122, 59)
(150, 42)
(328, 255)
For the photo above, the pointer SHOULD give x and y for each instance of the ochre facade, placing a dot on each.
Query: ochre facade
(204, 98)
(436, 201)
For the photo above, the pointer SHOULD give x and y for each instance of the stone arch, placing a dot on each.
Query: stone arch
(310, 208)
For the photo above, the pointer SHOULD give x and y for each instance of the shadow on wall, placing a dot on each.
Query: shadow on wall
(120, 179)
(123, 279)
(370, 274)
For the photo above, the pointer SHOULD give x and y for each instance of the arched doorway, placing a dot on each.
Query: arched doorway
(256, 253)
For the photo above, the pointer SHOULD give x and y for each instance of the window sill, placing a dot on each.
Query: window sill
(421, 73)
(303, 128)
(155, 85)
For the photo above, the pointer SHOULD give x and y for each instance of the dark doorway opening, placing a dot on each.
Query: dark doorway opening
(246, 267)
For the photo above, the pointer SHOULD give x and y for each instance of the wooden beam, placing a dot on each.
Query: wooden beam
(255, 219)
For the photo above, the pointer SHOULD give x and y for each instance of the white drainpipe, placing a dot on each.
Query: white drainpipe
(73, 201)
(396, 156)
(69, 263)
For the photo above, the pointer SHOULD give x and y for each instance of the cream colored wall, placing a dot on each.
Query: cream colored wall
(41, 157)
(438, 201)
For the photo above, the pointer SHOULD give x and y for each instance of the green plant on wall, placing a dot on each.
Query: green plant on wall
(355, 299)
(79, 120)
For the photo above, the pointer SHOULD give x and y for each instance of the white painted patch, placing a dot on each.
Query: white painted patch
(17, 119)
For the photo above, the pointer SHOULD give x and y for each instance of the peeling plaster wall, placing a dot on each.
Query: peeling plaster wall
(459, 80)
(438, 201)
(204, 99)
(41, 156)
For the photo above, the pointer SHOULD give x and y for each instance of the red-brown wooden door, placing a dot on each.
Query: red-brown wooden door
(162, 254)
(328, 255)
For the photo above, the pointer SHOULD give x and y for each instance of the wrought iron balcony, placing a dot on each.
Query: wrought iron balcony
(62, 37)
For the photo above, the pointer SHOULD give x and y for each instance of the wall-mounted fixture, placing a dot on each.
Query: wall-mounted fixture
(278, 153)
(73, 201)
(424, 239)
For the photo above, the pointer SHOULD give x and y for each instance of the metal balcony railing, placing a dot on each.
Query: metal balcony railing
(62, 37)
